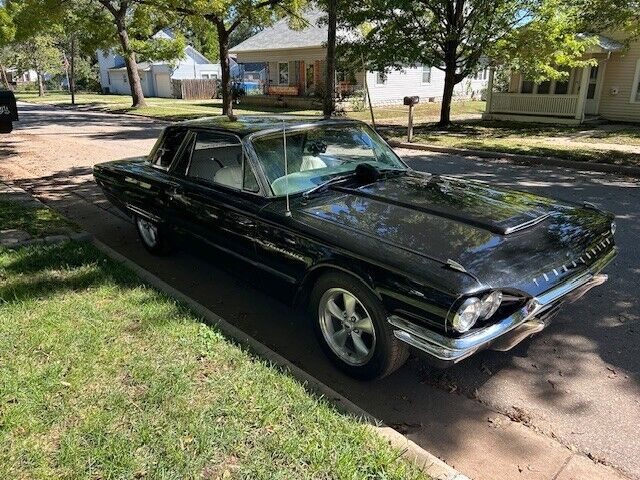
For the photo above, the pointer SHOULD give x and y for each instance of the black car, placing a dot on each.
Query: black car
(384, 257)
(8, 111)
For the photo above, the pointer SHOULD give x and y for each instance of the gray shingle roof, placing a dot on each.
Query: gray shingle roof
(280, 35)
(605, 43)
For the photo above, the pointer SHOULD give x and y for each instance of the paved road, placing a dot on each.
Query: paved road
(575, 384)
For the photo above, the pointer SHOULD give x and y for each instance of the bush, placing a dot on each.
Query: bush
(357, 100)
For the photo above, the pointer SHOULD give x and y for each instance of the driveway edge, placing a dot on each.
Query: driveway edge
(429, 463)
(626, 170)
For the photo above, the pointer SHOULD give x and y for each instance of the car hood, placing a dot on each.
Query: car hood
(504, 238)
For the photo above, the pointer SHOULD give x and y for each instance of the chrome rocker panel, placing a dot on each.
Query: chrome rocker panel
(505, 334)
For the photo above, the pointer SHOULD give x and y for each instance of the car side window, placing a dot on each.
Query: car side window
(216, 158)
(165, 150)
(250, 183)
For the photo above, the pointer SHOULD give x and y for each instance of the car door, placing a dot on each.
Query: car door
(213, 202)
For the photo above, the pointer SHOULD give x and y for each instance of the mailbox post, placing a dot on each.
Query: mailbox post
(8, 111)
(411, 102)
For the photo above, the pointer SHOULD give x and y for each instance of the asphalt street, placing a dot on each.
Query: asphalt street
(499, 413)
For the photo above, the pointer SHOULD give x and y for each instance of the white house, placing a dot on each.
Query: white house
(155, 77)
(295, 62)
(13, 76)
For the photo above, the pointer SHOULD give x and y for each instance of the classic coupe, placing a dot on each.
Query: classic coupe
(384, 257)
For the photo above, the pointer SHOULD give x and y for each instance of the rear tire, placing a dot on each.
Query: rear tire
(153, 237)
(351, 325)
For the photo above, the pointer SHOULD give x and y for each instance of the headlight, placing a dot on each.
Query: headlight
(467, 315)
(490, 304)
(613, 227)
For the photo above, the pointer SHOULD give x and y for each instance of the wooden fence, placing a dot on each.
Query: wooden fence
(203, 89)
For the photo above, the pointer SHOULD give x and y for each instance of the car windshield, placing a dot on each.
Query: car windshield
(319, 153)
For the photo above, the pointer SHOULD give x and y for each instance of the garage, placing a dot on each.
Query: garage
(163, 85)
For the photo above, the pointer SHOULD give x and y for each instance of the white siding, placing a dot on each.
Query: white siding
(408, 82)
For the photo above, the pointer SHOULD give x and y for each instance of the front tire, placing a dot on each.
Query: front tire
(153, 237)
(352, 329)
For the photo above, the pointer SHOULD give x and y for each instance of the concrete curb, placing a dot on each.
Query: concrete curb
(429, 463)
(626, 170)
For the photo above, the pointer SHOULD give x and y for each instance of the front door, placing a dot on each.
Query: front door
(591, 105)
(211, 203)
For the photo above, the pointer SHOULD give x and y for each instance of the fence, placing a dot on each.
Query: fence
(195, 89)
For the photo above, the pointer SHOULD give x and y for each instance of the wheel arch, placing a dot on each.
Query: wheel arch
(313, 274)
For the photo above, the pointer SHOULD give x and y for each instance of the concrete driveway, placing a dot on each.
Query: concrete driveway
(519, 414)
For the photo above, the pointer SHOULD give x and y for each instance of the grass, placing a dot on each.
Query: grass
(104, 377)
(173, 109)
(567, 142)
(38, 221)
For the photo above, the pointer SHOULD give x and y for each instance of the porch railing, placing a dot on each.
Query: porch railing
(531, 104)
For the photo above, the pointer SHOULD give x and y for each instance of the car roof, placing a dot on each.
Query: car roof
(246, 125)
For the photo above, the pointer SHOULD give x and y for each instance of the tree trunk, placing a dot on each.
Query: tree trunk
(447, 96)
(3, 75)
(40, 84)
(72, 82)
(137, 95)
(329, 105)
(225, 84)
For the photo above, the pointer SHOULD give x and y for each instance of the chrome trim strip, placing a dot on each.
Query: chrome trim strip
(452, 350)
(143, 213)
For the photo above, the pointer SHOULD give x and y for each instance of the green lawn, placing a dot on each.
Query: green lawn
(103, 377)
(174, 109)
(567, 142)
(37, 221)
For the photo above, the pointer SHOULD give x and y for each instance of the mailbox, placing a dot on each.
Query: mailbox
(8, 111)
(411, 100)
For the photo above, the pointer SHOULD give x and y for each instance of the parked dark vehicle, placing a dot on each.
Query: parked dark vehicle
(8, 111)
(384, 257)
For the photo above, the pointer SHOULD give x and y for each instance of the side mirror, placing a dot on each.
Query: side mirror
(8, 111)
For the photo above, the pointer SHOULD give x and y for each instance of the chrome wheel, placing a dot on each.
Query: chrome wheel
(347, 326)
(148, 232)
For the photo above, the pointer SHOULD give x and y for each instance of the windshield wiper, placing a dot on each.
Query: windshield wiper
(325, 184)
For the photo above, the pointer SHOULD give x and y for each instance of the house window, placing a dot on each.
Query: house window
(562, 87)
(381, 78)
(283, 73)
(527, 86)
(544, 88)
(426, 74)
(108, 78)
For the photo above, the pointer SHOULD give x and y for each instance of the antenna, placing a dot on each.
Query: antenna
(286, 168)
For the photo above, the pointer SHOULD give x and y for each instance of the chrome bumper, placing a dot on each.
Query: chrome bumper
(504, 334)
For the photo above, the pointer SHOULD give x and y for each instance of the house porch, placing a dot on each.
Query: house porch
(569, 101)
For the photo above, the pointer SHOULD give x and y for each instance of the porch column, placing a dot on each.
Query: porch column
(489, 89)
(582, 94)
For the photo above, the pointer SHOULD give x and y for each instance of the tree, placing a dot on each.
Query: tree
(329, 105)
(227, 16)
(39, 53)
(456, 35)
(7, 33)
(129, 25)
(597, 16)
